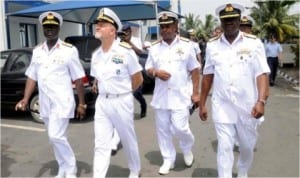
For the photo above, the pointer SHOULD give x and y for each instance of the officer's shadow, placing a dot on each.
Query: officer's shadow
(82, 168)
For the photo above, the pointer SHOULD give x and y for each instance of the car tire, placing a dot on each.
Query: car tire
(35, 109)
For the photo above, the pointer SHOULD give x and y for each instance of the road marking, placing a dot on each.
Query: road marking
(23, 127)
(288, 95)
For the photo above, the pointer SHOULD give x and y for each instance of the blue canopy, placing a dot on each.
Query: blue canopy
(17, 5)
(80, 11)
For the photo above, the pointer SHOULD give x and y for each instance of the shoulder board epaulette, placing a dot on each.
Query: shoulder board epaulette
(184, 39)
(214, 38)
(67, 44)
(125, 45)
(249, 35)
(156, 42)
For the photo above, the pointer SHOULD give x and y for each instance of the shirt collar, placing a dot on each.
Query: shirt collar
(176, 39)
(239, 37)
(57, 45)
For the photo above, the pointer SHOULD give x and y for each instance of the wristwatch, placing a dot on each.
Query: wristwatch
(262, 101)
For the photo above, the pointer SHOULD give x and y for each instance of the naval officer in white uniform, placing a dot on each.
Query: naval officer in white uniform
(116, 68)
(53, 66)
(236, 66)
(172, 62)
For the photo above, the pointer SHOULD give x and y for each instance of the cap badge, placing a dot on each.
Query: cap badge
(228, 8)
(244, 19)
(164, 16)
(50, 16)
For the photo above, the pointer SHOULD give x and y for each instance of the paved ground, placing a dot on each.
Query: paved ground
(26, 152)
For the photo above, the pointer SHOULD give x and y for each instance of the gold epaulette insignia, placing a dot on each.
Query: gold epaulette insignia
(249, 35)
(214, 38)
(67, 44)
(184, 39)
(155, 42)
(125, 45)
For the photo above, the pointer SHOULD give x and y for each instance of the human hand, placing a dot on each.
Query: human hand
(80, 112)
(94, 89)
(21, 105)
(162, 74)
(196, 99)
(203, 113)
(258, 110)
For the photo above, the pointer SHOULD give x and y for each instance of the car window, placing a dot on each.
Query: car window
(4, 57)
(85, 45)
(17, 61)
(21, 62)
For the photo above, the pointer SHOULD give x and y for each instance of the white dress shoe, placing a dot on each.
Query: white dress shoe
(60, 175)
(165, 168)
(242, 175)
(133, 174)
(188, 159)
(71, 176)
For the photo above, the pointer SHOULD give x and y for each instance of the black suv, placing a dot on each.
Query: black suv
(13, 66)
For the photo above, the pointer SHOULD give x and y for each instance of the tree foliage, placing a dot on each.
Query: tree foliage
(203, 29)
(272, 17)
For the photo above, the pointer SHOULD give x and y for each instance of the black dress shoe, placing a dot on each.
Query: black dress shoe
(143, 114)
(114, 152)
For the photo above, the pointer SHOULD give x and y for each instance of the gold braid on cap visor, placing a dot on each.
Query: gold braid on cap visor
(50, 22)
(106, 19)
(166, 22)
(229, 16)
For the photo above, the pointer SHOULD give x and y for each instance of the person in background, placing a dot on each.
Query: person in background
(236, 67)
(217, 31)
(246, 25)
(194, 41)
(172, 62)
(136, 45)
(54, 65)
(274, 54)
(202, 46)
(117, 71)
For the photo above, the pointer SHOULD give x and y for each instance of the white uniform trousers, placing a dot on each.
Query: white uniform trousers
(63, 152)
(115, 140)
(246, 136)
(114, 113)
(169, 123)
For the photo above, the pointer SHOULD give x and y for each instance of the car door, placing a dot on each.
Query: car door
(13, 77)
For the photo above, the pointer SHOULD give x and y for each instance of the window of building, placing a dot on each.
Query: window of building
(28, 37)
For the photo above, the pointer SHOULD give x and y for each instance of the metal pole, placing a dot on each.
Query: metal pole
(156, 12)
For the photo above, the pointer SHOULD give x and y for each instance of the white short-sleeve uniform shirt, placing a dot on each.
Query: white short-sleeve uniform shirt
(114, 68)
(196, 47)
(179, 60)
(235, 67)
(54, 71)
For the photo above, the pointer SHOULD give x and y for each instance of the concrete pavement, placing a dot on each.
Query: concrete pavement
(27, 153)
